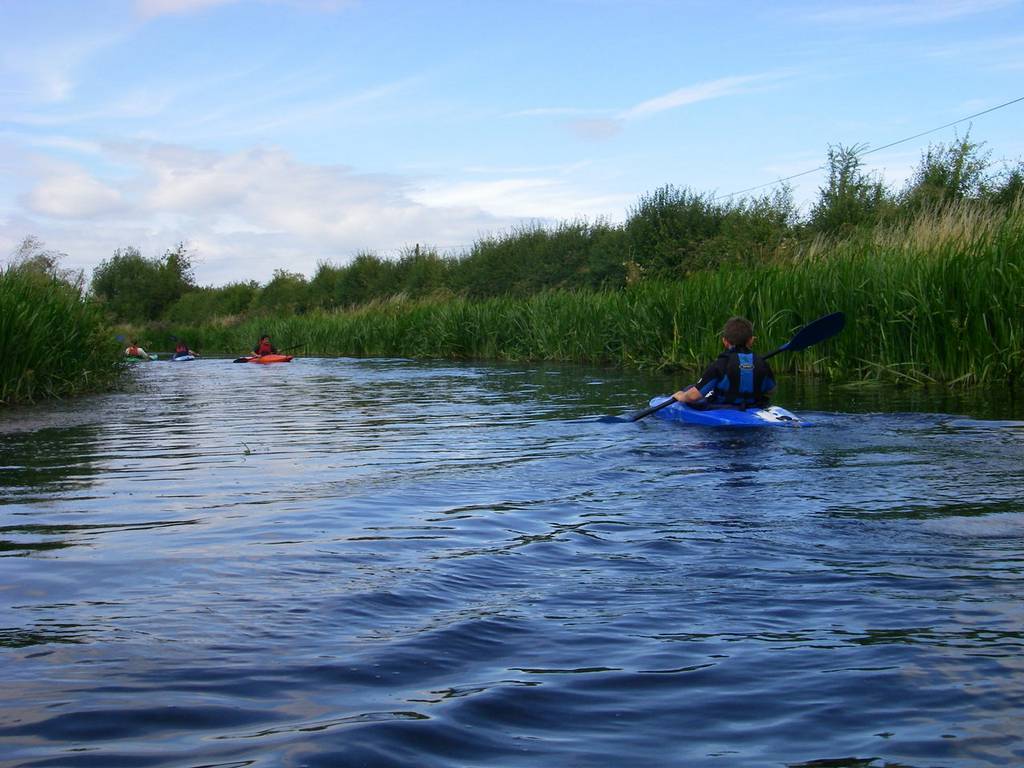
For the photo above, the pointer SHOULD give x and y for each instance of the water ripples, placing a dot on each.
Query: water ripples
(343, 562)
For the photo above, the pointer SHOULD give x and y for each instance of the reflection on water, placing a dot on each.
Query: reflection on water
(386, 563)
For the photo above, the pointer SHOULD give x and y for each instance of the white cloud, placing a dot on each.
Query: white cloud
(547, 198)
(73, 195)
(246, 213)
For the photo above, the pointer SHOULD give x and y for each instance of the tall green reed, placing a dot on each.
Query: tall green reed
(53, 341)
(938, 298)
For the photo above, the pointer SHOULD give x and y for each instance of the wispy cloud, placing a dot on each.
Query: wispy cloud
(321, 108)
(693, 94)
(63, 143)
(149, 9)
(1002, 53)
(907, 13)
(601, 128)
(47, 71)
(551, 112)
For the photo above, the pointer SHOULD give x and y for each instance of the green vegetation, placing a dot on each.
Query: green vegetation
(55, 341)
(930, 274)
(936, 298)
(134, 288)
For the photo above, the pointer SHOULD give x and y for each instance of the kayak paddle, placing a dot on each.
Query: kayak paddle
(813, 333)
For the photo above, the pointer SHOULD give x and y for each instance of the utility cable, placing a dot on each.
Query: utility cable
(876, 149)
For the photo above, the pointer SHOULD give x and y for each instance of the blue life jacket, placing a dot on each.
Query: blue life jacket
(743, 383)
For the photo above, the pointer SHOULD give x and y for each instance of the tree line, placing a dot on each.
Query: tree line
(668, 234)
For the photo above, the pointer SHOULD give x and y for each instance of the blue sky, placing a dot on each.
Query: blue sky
(277, 133)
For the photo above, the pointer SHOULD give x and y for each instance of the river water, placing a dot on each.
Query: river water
(387, 563)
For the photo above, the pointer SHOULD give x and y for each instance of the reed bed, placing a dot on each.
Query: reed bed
(936, 299)
(53, 341)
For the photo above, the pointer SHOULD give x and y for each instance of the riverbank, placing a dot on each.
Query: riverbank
(55, 341)
(936, 299)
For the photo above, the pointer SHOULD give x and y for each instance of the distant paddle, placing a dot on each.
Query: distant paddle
(813, 333)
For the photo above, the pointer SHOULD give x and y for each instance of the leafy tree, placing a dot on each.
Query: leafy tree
(420, 272)
(752, 229)
(851, 198)
(948, 172)
(1008, 189)
(667, 227)
(287, 292)
(137, 289)
(367, 277)
(607, 256)
(201, 305)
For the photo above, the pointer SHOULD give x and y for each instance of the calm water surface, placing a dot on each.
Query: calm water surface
(386, 563)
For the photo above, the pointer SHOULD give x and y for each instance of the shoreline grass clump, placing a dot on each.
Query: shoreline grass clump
(939, 298)
(54, 341)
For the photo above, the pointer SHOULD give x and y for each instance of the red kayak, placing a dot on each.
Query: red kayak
(264, 359)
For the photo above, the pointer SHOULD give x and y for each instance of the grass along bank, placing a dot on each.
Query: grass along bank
(54, 341)
(939, 298)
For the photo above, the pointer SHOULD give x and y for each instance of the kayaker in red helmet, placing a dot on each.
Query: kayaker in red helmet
(264, 347)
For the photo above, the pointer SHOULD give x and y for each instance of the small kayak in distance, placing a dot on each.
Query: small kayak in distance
(133, 359)
(773, 416)
(182, 358)
(264, 359)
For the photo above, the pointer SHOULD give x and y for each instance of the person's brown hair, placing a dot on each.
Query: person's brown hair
(738, 331)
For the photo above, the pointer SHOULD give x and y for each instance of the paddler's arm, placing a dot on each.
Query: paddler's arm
(702, 388)
(690, 395)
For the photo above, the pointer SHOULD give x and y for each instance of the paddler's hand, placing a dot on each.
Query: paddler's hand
(688, 395)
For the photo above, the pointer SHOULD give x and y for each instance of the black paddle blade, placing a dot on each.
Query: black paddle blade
(613, 420)
(240, 360)
(815, 332)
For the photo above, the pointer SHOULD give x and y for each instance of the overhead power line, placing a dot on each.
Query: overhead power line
(876, 149)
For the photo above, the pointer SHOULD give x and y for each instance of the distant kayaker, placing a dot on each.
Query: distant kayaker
(264, 347)
(181, 350)
(737, 377)
(134, 350)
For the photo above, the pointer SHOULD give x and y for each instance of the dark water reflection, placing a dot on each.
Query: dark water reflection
(381, 563)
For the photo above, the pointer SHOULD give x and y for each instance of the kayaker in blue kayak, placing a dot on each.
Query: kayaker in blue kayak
(737, 378)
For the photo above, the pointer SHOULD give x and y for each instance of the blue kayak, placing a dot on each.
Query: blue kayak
(182, 358)
(773, 416)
